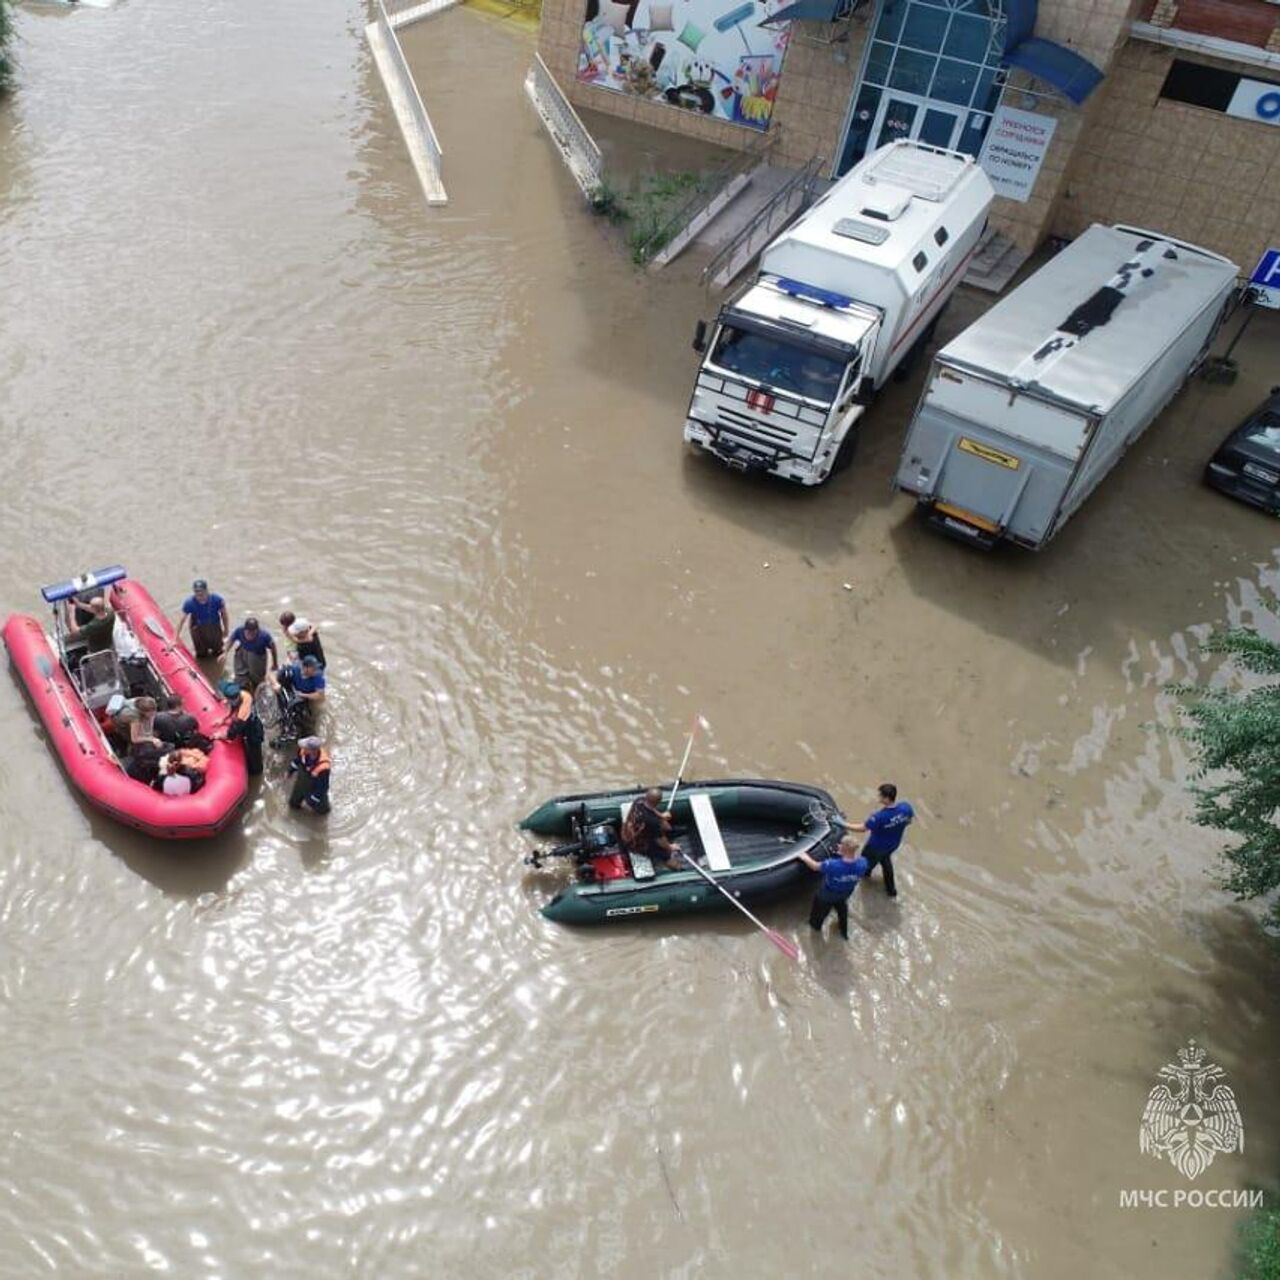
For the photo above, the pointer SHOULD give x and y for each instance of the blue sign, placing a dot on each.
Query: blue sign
(1266, 280)
(1267, 272)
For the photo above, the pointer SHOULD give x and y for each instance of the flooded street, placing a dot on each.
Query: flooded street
(235, 344)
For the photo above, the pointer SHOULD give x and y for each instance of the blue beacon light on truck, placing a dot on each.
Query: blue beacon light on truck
(798, 289)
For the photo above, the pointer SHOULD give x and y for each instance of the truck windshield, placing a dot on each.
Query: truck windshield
(776, 363)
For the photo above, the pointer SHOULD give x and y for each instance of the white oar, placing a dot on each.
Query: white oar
(787, 948)
(698, 722)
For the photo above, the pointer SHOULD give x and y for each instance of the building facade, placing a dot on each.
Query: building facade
(1163, 114)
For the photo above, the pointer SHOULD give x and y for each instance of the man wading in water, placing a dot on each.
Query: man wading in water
(886, 827)
(840, 878)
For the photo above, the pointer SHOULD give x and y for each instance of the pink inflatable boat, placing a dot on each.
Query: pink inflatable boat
(71, 688)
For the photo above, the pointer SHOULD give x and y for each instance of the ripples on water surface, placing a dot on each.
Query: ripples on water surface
(234, 342)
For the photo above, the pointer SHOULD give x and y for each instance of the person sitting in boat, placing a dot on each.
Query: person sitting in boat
(171, 778)
(647, 831)
(181, 772)
(99, 631)
(304, 637)
(137, 720)
(142, 763)
(249, 646)
(175, 726)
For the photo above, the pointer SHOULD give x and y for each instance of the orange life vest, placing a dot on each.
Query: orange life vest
(319, 765)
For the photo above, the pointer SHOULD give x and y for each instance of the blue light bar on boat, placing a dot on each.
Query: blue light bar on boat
(798, 289)
(86, 582)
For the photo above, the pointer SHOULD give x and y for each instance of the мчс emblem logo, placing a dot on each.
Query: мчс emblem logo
(1191, 1115)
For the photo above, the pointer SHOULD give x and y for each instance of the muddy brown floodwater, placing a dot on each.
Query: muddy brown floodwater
(233, 341)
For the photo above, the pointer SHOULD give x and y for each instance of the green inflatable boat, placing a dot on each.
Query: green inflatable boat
(746, 833)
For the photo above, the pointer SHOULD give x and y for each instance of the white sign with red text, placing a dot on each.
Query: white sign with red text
(1015, 149)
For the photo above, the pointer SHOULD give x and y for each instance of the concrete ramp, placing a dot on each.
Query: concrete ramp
(406, 102)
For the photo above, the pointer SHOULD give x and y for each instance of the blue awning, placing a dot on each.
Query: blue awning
(1066, 70)
(810, 11)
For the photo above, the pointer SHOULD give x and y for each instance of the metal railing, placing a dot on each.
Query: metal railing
(577, 145)
(401, 13)
(415, 124)
(707, 193)
(794, 195)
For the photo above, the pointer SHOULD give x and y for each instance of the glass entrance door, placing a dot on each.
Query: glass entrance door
(905, 116)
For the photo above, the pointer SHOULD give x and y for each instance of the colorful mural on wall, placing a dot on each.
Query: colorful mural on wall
(708, 56)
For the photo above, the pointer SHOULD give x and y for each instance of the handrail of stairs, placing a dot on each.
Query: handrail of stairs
(775, 213)
(739, 164)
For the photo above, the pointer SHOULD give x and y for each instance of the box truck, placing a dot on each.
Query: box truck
(1025, 411)
(841, 298)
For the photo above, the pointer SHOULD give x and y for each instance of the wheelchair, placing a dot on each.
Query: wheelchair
(285, 716)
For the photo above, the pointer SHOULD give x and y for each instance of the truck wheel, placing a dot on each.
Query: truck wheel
(844, 455)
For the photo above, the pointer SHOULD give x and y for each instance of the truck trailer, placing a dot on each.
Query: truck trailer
(1028, 409)
(842, 297)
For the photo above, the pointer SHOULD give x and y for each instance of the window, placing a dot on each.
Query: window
(920, 261)
(773, 362)
(922, 54)
(940, 237)
(1199, 86)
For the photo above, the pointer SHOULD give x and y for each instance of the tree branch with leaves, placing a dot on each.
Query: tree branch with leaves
(1236, 737)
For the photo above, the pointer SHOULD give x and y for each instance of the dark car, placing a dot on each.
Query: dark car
(1247, 464)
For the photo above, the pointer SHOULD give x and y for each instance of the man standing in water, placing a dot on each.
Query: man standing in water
(886, 827)
(840, 878)
(206, 611)
(310, 769)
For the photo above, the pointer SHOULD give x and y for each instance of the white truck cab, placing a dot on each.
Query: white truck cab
(842, 297)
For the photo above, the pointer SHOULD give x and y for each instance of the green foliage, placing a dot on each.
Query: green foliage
(650, 209)
(6, 57)
(609, 202)
(652, 205)
(1259, 1257)
(1236, 736)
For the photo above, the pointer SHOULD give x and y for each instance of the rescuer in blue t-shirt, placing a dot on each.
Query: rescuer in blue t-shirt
(840, 878)
(885, 830)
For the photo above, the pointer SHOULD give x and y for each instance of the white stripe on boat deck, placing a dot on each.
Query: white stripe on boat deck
(709, 830)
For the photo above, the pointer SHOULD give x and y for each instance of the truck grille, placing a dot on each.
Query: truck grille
(784, 428)
(773, 432)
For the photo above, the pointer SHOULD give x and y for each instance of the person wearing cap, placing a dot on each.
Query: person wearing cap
(250, 644)
(245, 726)
(304, 637)
(840, 878)
(305, 678)
(304, 683)
(206, 611)
(99, 632)
(310, 769)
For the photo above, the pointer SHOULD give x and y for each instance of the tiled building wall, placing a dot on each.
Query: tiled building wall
(559, 41)
(813, 97)
(1197, 174)
(1126, 156)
